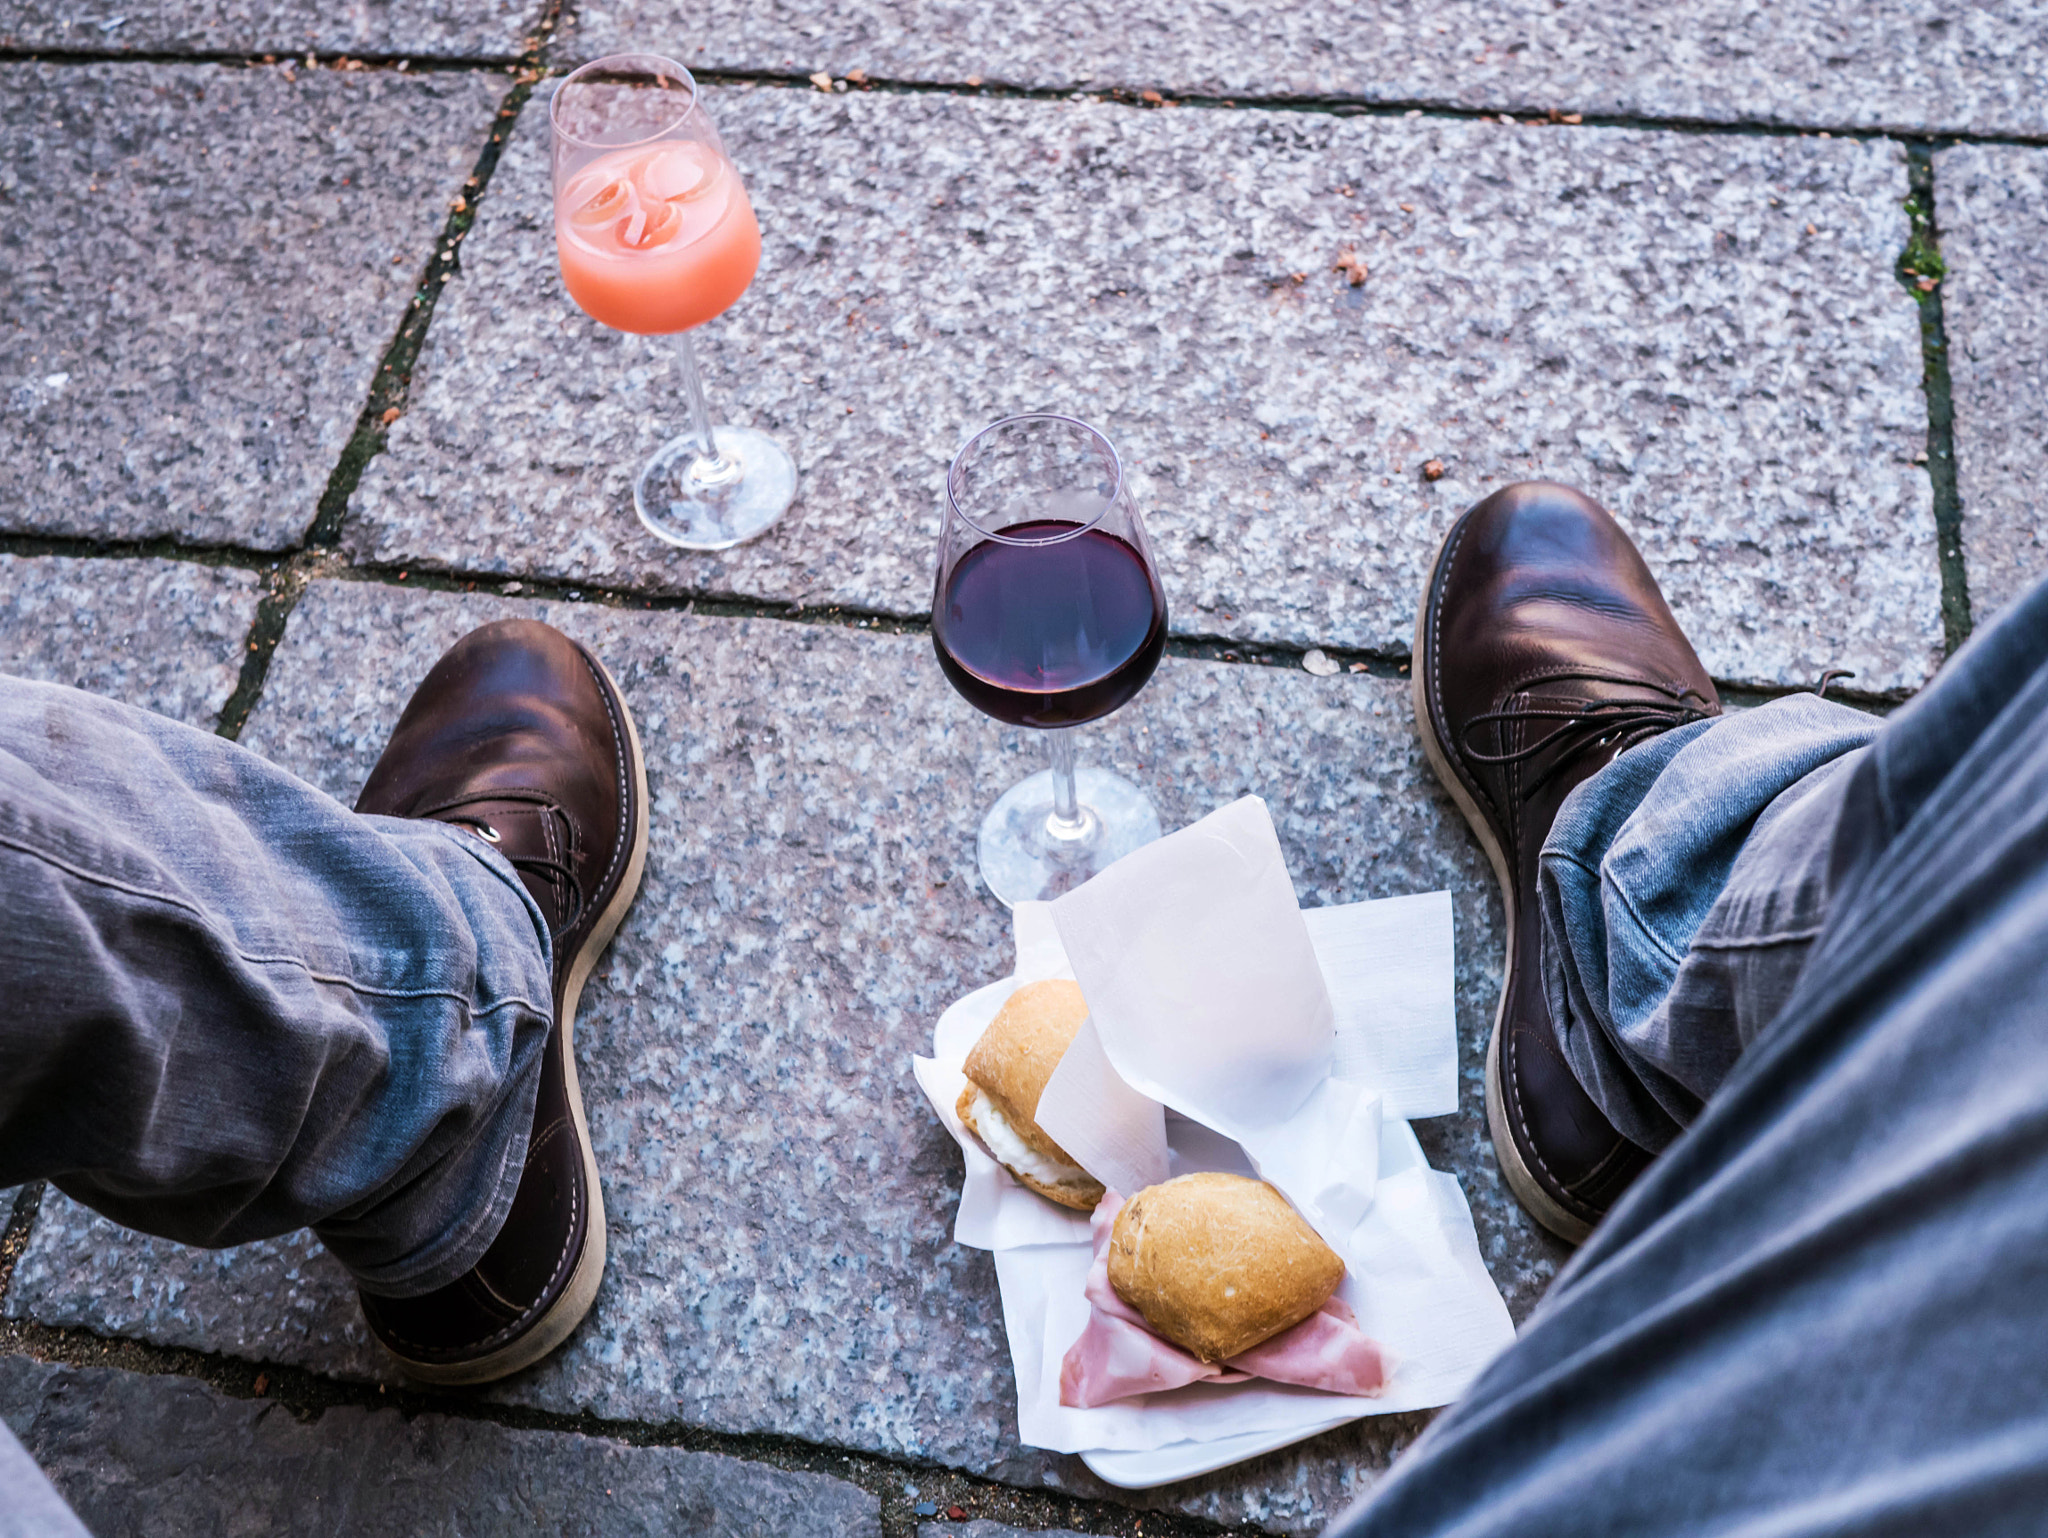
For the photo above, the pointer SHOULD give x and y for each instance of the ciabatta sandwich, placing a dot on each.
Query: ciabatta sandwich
(1219, 1263)
(1006, 1073)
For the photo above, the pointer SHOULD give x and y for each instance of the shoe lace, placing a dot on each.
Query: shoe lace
(557, 873)
(1580, 722)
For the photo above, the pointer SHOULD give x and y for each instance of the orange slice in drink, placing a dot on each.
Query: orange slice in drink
(612, 199)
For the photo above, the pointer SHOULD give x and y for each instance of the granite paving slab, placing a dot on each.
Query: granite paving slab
(147, 1455)
(1825, 63)
(1703, 331)
(165, 635)
(780, 1197)
(1992, 208)
(200, 271)
(490, 29)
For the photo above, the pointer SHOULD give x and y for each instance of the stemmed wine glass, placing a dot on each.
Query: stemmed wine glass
(1047, 612)
(656, 236)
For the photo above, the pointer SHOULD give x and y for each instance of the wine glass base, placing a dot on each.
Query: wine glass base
(695, 517)
(1021, 860)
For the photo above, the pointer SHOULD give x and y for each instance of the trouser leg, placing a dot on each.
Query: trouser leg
(1681, 888)
(237, 1008)
(1825, 1308)
(30, 1506)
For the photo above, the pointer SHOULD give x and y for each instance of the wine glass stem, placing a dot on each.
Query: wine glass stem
(711, 468)
(1067, 821)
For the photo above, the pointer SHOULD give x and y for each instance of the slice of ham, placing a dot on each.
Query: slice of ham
(1118, 1356)
(1327, 1350)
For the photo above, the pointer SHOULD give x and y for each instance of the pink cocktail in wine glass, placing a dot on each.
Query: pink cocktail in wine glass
(655, 235)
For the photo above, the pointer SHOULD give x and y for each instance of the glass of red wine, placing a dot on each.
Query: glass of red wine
(1048, 612)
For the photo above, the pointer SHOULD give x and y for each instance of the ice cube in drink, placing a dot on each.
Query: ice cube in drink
(656, 238)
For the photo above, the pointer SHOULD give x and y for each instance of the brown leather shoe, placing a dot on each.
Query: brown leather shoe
(1542, 649)
(519, 735)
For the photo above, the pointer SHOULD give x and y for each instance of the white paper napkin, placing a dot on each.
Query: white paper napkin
(1248, 1036)
(1113, 1132)
(1389, 968)
(1200, 975)
(1413, 1277)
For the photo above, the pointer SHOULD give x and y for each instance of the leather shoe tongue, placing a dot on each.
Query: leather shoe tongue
(540, 842)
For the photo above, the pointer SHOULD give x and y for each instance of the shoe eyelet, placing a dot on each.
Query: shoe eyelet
(484, 831)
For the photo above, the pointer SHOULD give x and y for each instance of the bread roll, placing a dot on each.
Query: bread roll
(1006, 1073)
(1219, 1263)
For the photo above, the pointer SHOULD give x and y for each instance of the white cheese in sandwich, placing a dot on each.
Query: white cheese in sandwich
(1006, 1073)
(987, 1121)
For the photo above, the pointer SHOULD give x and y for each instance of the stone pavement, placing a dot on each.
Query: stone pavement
(290, 397)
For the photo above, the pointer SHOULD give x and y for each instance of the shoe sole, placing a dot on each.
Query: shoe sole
(559, 1322)
(1521, 1179)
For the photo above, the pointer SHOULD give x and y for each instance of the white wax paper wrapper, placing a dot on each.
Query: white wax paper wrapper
(1388, 966)
(1413, 1277)
(1113, 1132)
(1200, 974)
(1344, 1156)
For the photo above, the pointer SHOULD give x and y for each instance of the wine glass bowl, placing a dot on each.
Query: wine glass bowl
(655, 235)
(1047, 612)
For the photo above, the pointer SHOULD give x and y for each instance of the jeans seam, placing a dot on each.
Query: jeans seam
(1760, 942)
(1676, 958)
(205, 919)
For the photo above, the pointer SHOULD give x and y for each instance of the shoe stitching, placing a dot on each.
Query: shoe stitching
(1436, 654)
(1436, 657)
(528, 1315)
(547, 833)
(622, 745)
(1514, 785)
(1512, 1082)
(1578, 671)
(540, 1304)
(623, 757)
(1607, 1165)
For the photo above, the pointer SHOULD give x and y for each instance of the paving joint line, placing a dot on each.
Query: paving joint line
(308, 1395)
(390, 387)
(1156, 98)
(1139, 97)
(1375, 662)
(87, 547)
(287, 575)
(1922, 271)
(242, 58)
(21, 1221)
(1133, 96)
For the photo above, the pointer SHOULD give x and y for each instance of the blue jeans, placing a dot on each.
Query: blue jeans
(1811, 957)
(237, 1008)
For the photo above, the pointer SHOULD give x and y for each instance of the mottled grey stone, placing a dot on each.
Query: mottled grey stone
(1992, 205)
(33, 1508)
(138, 1454)
(494, 29)
(987, 1529)
(780, 1196)
(1641, 314)
(1825, 63)
(282, 1300)
(165, 635)
(200, 270)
